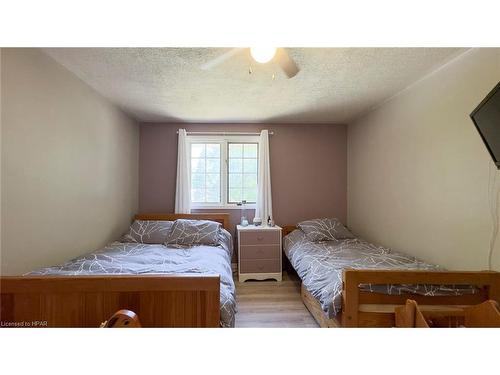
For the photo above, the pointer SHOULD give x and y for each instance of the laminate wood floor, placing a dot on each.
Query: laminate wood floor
(271, 304)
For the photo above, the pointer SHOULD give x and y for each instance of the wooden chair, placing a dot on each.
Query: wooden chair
(410, 316)
(122, 319)
(484, 315)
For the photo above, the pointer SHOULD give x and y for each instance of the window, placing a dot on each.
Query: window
(242, 172)
(205, 172)
(223, 171)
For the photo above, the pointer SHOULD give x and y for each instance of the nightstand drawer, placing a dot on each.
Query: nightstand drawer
(260, 252)
(258, 237)
(260, 266)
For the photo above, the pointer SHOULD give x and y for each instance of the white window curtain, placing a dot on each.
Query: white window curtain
(183, 185)
(264, 206)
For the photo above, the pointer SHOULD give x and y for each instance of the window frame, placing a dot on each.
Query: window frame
(224, 141)
(243, 159)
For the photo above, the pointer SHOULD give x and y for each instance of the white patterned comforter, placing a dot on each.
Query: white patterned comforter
(320, 266)
(137, 258)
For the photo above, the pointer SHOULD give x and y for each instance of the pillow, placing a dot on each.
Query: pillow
(148, 231)
(325, 230)
(194, 232)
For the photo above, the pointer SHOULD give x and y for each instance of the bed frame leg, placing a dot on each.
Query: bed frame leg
(350, 302)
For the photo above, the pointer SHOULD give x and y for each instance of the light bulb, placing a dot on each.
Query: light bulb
(263, 54)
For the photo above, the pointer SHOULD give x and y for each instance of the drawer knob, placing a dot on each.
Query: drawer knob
(260, 238)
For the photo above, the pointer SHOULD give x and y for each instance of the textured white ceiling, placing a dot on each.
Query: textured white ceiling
(166, 84)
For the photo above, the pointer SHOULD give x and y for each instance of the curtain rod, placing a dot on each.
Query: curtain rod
(223, 133)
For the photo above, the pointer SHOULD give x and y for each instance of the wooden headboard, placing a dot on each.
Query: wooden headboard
(288, 229)
(218, 217)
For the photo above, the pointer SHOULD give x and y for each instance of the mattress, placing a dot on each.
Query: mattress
(320, 266)
(120, 258)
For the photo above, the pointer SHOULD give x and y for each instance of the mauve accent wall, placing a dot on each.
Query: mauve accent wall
(308, 168)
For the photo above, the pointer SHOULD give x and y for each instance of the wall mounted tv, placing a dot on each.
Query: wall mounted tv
(486, 117)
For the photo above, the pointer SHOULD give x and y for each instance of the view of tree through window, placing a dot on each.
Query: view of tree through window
(242, 172)
(223, 171)
(205, 172)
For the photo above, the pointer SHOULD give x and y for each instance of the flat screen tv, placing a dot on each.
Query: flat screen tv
(486, 117)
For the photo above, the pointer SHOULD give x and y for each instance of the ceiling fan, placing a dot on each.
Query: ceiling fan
(261, 55)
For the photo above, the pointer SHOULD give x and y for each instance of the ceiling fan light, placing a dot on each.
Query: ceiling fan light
(263, 54)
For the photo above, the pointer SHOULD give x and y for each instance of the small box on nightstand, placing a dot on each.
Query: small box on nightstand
(259, 252)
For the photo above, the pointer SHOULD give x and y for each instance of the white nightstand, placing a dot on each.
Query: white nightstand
(259, 253)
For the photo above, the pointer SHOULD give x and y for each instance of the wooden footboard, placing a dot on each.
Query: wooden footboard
(366, 309)
(188, 300)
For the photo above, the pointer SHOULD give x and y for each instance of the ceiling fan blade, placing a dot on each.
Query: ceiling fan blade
(286, 63)
(220, 59)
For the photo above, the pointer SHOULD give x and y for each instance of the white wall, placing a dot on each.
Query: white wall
(69, 164)
(418, 172)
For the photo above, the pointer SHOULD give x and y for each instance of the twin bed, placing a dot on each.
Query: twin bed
(346, 282)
